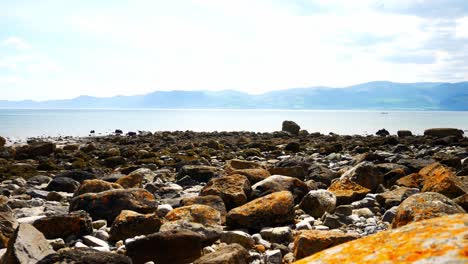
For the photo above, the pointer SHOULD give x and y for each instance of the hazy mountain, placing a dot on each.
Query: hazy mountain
(373, 95)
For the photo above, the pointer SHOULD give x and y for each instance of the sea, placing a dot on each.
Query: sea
(24, 123)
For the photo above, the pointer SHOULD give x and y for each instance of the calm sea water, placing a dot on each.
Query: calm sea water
(22, 123)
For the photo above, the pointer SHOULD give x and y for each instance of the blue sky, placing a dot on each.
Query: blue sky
(53, 49)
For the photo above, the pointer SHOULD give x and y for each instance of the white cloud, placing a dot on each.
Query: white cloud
(17, 43)
(462, 27)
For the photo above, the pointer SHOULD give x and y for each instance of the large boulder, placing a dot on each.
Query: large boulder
(277, 183)
(62, 226)
(84, 256)
(35, 150)
(424, 206)
(108, 205)
(233, 189)
(437, 178)
(175, 247)
(96, 186)
(130, 224)
(198, 213)
(229, 254)
(27, 245)
(271, 210)
(443, 132)
(200, 173)
(404, 133)
(211, 200)
(365, 174)
(316, 203)
(63, 184)
(439, 240)
(347, 191)
(310, 242)
(291, 127)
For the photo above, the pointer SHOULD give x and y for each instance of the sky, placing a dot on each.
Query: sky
(55, 49)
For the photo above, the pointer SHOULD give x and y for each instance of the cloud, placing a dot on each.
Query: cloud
(16, 43)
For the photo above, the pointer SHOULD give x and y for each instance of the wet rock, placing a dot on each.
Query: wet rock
(437, 178)
(200, 173)
(211, 200)
(96, 186)
(424, 206)
(229, 254)
(277, 183)
(413, 243)
(62, 226)
(347, 191)
(316, 203)
(108, 205)
(27, 245)
(177, 247)
(198, 213)
(63, 184)
(271, 210)
(312, 241)
(84, 256)
(365, 174)
(291, 127)
(443, 132)
(233, 189)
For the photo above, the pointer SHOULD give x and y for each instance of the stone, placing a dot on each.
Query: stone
(229, 254)
(63, 184)
(273, 256)
(84, 256)
(237, 237)
(34, 150)
(395, 197)
(316, 203)
(2, 141)
(437, 178)
(404, 133)
(136, 178)
(92, 241)
(291, 127)
(291, 171)
(130, 224)
(462, 201)
(413, 180)
(210, 234)
(443, 132)
(96, 186)
(347, 191)
(277, 183)
(8, 225)
(175, 247)
(107, 205)
(233, 189)
(389, 215)
(77, 175)
(312, 241)
(163, 209)
(198, 213)
(424, 206)
(211, 200)
(438, 240)
(253, 175)
(365, 174)
(237, 164)
(279, 235)
(382, 132)
(271, 210)
(200, 173)
(27, 245)
(77, 223)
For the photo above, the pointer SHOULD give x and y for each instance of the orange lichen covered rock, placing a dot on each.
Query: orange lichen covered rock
(236, 164)
(271, 210)
(424, 206)
(439, 240)
(96, 186)
(133, 180)
(233, 189)
(413, 180)
(130, 224)
(211, 200)
(347, 191)
(62, 226)
(254, 175)
(310, 242)
(440, 179)
(197, 213)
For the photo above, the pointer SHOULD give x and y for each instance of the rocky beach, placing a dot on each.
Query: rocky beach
(290, 196)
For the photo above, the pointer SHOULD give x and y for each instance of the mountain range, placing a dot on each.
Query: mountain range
(367, 96)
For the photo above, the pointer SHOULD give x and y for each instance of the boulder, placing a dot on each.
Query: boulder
(437, 178)
(365, 174)
(210, 234)
(291, 127)
(175, 247)
(253, 175)
(233, 189)
(347, 191)
(8, 225)
(277, 183)
(200, 173)
(84, 255)
(394, 197)
(211, 200)
(237, 237)
(96, 186)
(404, 133)
(77, 175)
(237, 164)
(198, 213)
(439, 240)
(27, 245)
(382, 132)
(271, 210)
(108, 205)
(291, 171)
(309, 242)
(316, 203)
(462, 201)
(35, 150)
(62, 226)
(444, 132)
(63, 184)
(130, 224)
(424, 206)
(229, 254)
(2, 141)
(413, 180)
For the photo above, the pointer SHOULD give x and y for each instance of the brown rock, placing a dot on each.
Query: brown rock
(131, 181)
(310, 242)
(271, 210)
(278, 183)
(424, 206)
(437, 178)
(253, 175)
(291, 171)
(439, 240)
(198, 213)
(443, 132)
(130, 224)
(233, 189)
(462, 201)
(96, 186)
(395, 197)
(8, 224)
(84, 256)
(414, 180)
(229, 254)
(62, 226)
(365, 174)
(236, 164)
(347, 191)
(211, 200)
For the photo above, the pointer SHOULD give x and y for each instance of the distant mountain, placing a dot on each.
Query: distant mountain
(373, 95)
